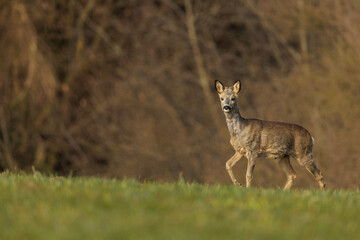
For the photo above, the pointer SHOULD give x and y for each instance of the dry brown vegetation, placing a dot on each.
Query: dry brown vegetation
(124, 88)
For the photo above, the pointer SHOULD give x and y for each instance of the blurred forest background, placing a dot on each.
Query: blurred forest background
(125, 88)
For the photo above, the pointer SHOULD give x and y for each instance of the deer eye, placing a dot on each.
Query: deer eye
(233, 99)
(222, 99)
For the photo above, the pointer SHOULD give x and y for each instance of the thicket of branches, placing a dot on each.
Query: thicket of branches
(124, 88)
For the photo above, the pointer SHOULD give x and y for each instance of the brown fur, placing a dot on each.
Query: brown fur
(255, 138)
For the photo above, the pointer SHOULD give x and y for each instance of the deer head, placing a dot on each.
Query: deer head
(228, 95)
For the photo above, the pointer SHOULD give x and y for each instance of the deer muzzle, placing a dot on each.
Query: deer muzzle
(227, 108)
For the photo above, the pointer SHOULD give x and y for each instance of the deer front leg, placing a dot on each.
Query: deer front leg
(230, 163)
(250, 170)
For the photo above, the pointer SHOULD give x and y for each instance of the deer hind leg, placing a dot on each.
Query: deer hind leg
(289, 171)
(315, 171)
(230, 163)
(308, 162)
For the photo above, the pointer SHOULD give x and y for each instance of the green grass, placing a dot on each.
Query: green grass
(41, 207)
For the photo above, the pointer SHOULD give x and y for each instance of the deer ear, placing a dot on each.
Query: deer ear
(237, 87)
(219, 86)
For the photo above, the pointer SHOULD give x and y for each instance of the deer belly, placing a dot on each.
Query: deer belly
(272, 152)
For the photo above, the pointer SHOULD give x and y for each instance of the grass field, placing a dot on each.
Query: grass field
(42, 207)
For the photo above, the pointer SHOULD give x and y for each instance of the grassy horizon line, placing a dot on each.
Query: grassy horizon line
(49, 207)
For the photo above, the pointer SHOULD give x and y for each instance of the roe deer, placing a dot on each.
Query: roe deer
(255, 138)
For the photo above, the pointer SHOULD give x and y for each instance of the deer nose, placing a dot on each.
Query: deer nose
(227, 108)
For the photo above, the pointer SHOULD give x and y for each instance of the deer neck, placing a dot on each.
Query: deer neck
(234, 122)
